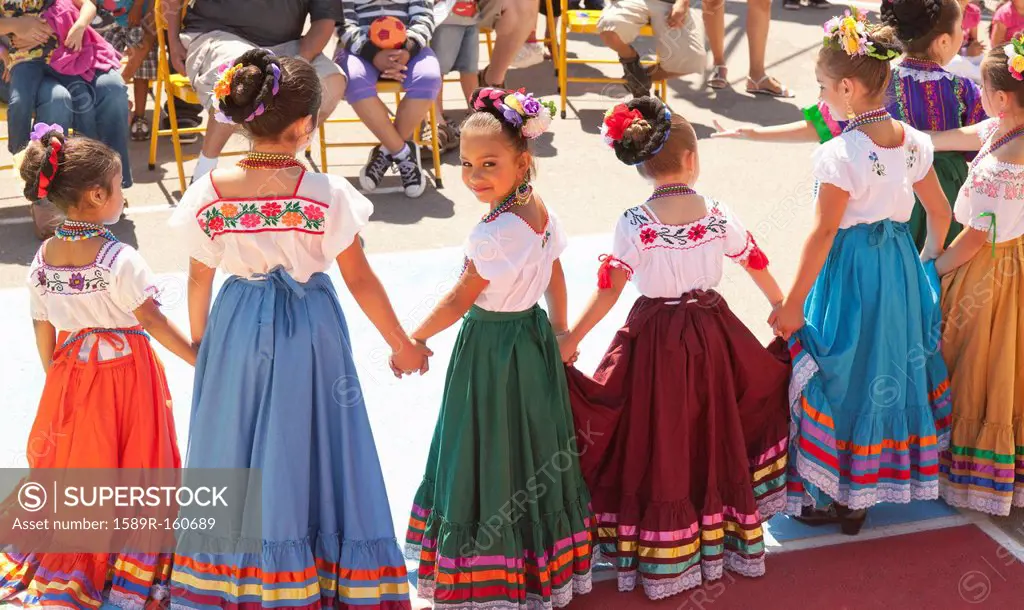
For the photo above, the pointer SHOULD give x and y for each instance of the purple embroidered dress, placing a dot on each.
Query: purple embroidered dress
(930, 98)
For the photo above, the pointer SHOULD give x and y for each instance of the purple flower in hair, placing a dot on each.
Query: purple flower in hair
(530, 105)
(41, 129)
(510, 115)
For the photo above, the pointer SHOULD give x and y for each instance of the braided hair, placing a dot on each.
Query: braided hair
(266, 94)
(919, 22)
(516, 115)
(62, 169)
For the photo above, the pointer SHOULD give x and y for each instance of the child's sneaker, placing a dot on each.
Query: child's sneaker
(531, 54)
(376, 166)
(638, 80)
(413, 180)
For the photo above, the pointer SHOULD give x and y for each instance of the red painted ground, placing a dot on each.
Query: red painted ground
(946, 569)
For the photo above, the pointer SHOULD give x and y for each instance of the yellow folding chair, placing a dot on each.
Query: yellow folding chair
(176, 86)
(585, 22)
(3, 117)
(386, 87)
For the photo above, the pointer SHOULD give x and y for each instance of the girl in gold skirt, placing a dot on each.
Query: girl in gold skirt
(983, 300)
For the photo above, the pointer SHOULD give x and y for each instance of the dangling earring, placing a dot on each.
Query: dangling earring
(523, 192)
(850, 114)
(1002, 115)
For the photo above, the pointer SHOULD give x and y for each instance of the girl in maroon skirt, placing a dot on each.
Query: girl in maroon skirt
(683, 430)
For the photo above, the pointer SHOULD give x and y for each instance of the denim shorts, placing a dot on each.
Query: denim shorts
(457, 48)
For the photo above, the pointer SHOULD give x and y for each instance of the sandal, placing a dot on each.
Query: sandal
(140, 129)
(716, 80)
(447, 140)
(758, 87)
(481, 78)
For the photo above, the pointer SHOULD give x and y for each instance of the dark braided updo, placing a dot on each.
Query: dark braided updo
(81, 164)
(919, 22)
(252, 88)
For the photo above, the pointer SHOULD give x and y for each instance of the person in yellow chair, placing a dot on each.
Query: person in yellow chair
(215, 32)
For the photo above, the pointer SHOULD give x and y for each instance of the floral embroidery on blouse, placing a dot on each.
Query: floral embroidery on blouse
(249, 216)
(679, 237)
(912, 152)
(999, 182)
(876, 165)
(84, 281)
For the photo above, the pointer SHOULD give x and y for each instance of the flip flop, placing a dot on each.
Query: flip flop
(716, 80)
(757, 89)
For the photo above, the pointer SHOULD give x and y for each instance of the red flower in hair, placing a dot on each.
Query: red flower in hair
(618, 119)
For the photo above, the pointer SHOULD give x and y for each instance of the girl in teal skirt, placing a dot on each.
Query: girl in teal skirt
(502, 518)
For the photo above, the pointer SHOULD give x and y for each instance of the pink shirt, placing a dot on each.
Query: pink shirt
(1009, 18)
(972, 17)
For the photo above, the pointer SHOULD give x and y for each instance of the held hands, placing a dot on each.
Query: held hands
(737, 132)
(568, 348)
(410, 358)
(73, 41)
(786, 318)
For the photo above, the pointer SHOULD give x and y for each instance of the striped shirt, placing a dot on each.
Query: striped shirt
(417, 15)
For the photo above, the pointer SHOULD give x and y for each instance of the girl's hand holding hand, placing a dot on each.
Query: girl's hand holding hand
(738, 132)
(73, 41)
(930, 254)
(412, 357)
(786, 319)
(568, 348)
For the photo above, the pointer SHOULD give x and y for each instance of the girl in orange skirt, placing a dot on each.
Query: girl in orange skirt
(105, 403)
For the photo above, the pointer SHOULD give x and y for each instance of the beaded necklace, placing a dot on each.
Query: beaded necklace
(520, 196)
(871, 116)
(998, 143)
(671, 190)
(75, 230)
(261, 160)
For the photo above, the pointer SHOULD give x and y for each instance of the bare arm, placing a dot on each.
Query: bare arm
(369, 294)
(200, 293)
(935, 204)
(557, 298)
(86, 12)
(600, 304)
(453, 305)
(961, 139)
(766, 282)
(316, 39)
(964, 248)
(832, 201)
(798, 131)
(164, 331)
(46, 341)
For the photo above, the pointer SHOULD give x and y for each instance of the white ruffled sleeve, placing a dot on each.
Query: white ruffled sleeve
(832, 164)
(498, 249)
(36, 282)
(624, 247)
(740, 244)
(190, 222)
(920, 153)
(348, 213)
(132, 281)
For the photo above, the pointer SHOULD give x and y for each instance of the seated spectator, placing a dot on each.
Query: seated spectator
(456, 43)
(512, 22)
(679, 38)
(121, 24)
(414, 65)
(215, 32)
(52, 38)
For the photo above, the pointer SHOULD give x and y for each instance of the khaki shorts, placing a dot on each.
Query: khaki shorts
(680, 50)
(489, 11)
(209, 51)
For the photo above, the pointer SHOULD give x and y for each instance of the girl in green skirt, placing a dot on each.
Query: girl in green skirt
(502, 518)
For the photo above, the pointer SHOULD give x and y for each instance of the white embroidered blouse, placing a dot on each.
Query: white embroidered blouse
(245, 236)
(667, 261)
(880, 180)
(102, 294)
(515, 260)
(996, 188)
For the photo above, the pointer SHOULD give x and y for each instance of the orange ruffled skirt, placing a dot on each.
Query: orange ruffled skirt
(104, 406)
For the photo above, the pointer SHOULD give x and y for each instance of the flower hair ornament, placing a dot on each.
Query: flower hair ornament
(850, 33)
(222, 89)
(518, 109)
(1015, 57)
(621, 116)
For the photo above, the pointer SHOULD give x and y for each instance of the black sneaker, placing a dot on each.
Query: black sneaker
(819, 4)
(376, 166)
(413, 180)
(638, 81)
(791, 5)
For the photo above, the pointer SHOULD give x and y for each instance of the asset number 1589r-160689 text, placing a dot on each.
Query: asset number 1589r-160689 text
(166, 523)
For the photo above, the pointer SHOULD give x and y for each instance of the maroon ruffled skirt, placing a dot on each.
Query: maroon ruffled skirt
(683, 433)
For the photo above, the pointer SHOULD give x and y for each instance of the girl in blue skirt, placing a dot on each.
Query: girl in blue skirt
(276, 387)
(869, 393)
